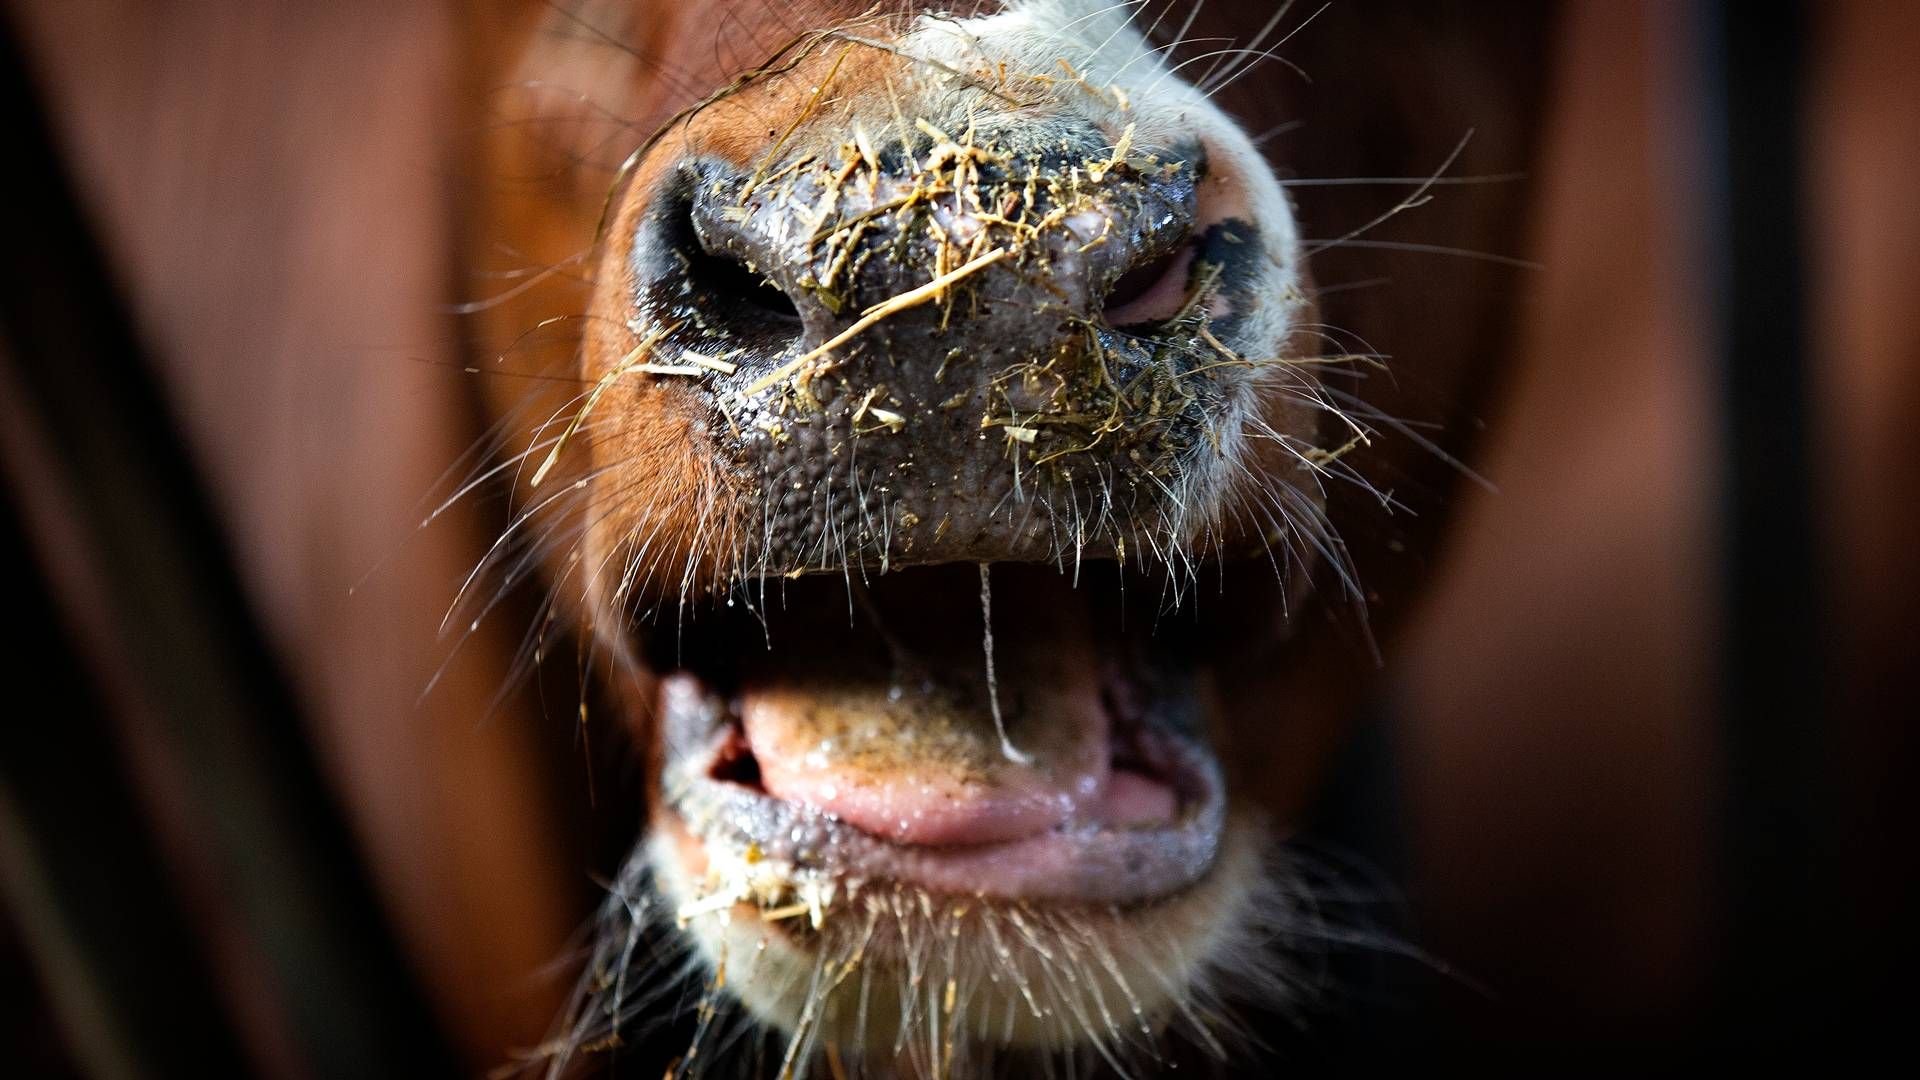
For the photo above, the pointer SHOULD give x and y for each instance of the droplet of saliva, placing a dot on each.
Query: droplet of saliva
(1007, 749)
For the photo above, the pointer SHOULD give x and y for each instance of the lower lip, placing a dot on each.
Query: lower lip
(1088, 863)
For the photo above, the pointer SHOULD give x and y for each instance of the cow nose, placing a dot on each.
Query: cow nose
(922, 308)
(834, 240)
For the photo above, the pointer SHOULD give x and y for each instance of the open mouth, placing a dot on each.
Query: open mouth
(998, 731)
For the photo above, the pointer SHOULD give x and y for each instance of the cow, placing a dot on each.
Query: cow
(1123, 484)
(953, 443)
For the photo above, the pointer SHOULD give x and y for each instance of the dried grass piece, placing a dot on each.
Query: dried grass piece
(911, 298)
(889, 419)
(630, 362)
(813, 102)
(713, 363)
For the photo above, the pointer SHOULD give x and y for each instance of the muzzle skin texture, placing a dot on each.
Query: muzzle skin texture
(1014, 356)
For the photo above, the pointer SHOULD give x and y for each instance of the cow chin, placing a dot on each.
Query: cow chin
(949, 423)
(930, 983)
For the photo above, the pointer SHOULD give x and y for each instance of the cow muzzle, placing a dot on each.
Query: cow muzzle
(910, 345)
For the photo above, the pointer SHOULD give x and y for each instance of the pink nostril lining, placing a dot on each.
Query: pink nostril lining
(1153, 291)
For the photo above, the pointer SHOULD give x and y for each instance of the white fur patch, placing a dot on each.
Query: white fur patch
(1116, 79)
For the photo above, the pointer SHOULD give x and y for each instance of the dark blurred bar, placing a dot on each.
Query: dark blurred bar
(1752, 69)
(228, 724)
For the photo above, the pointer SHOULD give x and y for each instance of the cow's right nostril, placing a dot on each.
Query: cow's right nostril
(693, 269)
(732, 284)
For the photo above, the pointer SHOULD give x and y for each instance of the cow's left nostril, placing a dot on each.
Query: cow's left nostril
(1153, 291)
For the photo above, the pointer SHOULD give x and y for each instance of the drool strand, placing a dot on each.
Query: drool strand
(1011, 752)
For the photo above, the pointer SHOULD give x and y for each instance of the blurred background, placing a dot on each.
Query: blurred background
(1635, 780)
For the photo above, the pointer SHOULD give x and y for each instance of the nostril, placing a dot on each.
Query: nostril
(1152, 291)
(732, 281)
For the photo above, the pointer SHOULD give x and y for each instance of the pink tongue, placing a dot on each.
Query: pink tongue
(925, 766)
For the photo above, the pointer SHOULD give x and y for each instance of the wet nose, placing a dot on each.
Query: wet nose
(939, 249)
(941, 303)
(843, 237)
